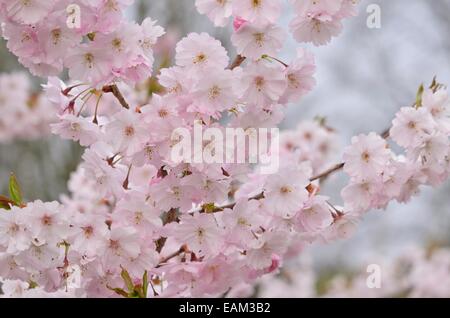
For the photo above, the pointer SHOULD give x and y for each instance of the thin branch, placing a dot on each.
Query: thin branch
(117, 94)
(230, 205)
(181, 250)
(326, 173)
(260, 196)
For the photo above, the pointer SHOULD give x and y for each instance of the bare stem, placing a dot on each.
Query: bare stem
(182, 250)
(237, 62)
(117, 94)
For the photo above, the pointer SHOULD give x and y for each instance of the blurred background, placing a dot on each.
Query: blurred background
(364, 76)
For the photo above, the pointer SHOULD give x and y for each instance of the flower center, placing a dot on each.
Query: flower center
(256, 3)
(25, 37)
(13, 229)
(259, 82)
(46, 220)
(365, 156)
(138, 216)
(214, 92)
(200, 232)
(56, 36)
(293, 81)
(89, 59)
(412, 125)
(163, 113)
(242, 221)
(285, 190)
(259, 38)
(149, 152)
(88, 231)
(129, 131)
(117, 44)
(75, 127)
(200, 58)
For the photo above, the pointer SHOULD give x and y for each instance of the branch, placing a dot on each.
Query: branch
(228, 206)
(326, 173)
(261, 195)
(116, 92)
(320, 176)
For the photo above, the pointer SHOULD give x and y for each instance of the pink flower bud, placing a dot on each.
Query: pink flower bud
(238, 23)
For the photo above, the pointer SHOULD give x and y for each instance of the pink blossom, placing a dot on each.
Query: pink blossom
(285, 192)
(77, 129)
(46, 222)
(270, 243)
(200, 233)
(29, 12)
(15, 236)
(411, 126)
(260, 12)
(219, 11)
(254, 42)
(316, 215)
(438, 104)
(262, 85)
(89, 63)
(300, 76)
(126, 131)
(316, 29)
(201, 51)
(367, 157)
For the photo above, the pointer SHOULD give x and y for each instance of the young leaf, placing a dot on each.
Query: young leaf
(127, 279)
(145, 284)
(419, 96)
(14, 190)
(139, 291)
(119, 291)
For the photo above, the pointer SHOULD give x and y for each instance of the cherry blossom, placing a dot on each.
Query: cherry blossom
(134, 214)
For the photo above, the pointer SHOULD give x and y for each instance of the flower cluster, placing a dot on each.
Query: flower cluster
(378, 175)
(104, 46)
(24, 114)
(256, 31)
(139, 223)
(132, 207)
(80, 246)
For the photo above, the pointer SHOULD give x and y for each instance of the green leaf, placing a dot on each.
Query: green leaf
(145, 284)
(139, 291)
(419, 96)
(119, 291)
(127, 279)
(14, 190)
(33, 284)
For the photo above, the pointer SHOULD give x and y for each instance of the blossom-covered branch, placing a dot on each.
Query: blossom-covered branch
(133, 203)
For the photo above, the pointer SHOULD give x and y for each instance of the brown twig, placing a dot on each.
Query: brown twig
(117, 94)
(237, 62)
(181, 250)
(326, 173)
(230, 205)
